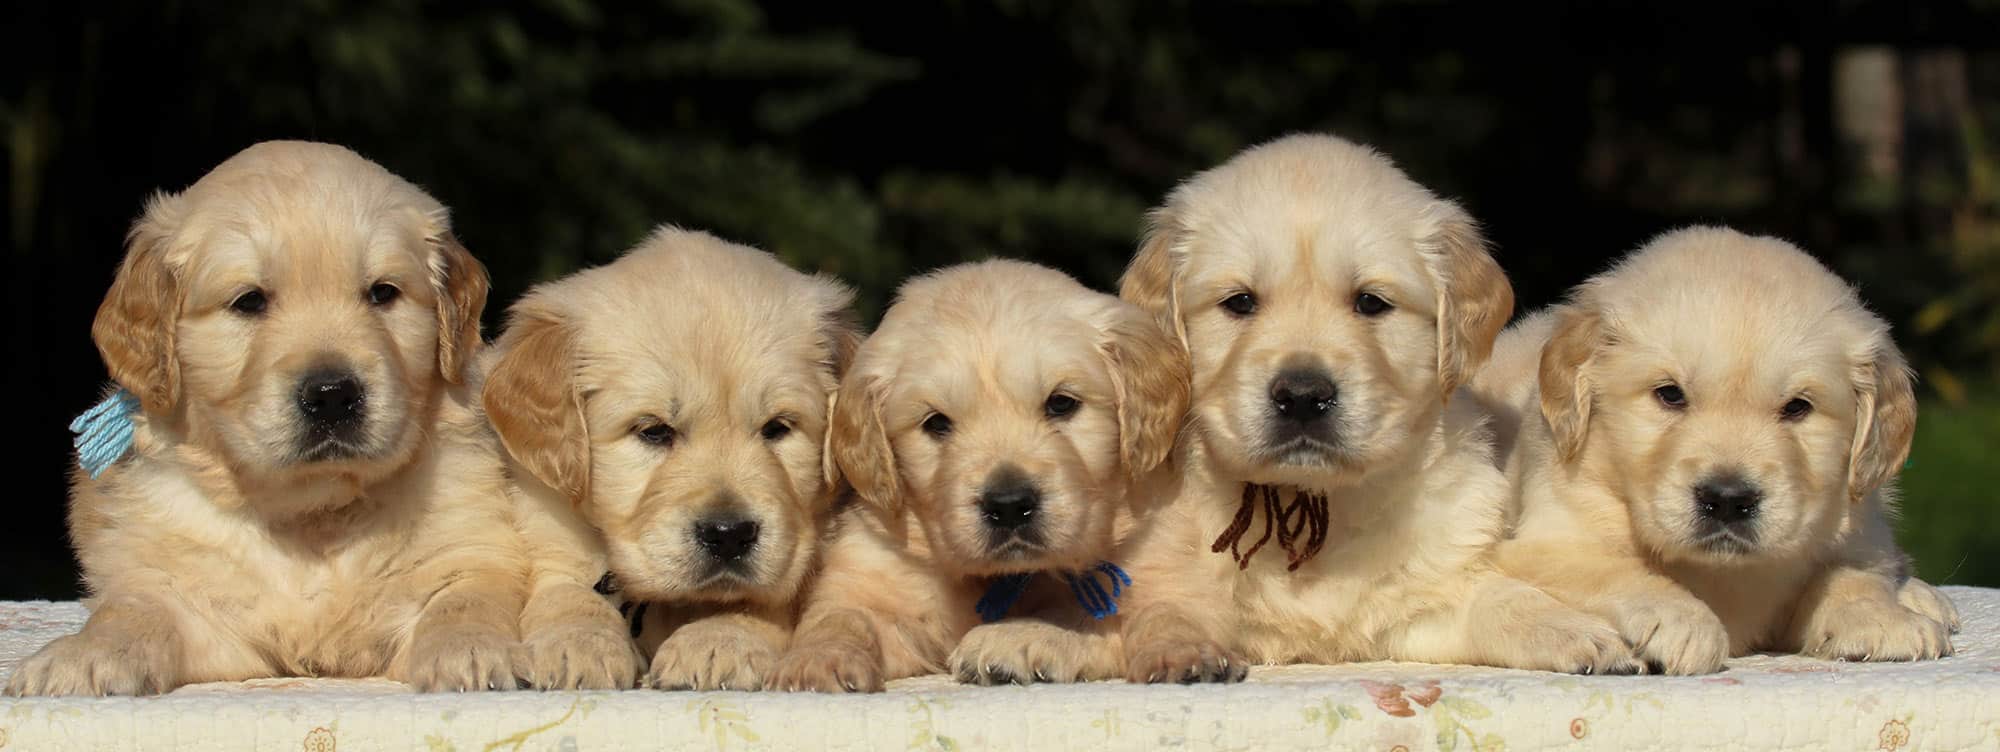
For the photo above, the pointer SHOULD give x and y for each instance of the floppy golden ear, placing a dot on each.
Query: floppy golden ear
(840, 332)
(859, 445)
(1149, 280)
(134, 329)
(532, 399)
(1150, 377)
(1565, 386)
(1885, 424)
(1474, 297)
(462, 285)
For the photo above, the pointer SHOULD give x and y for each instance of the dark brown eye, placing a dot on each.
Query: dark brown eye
(657, 434)
(1795, 409)
(937, 425)
(383, 293)
(1240, 305)
(1671, 397)
(775, 429)
(1371, 305)
(250, 303)
(1060, 406)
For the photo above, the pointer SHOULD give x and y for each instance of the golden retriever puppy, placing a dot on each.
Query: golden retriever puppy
(310, 490)
(992, 427)
(665, 414)
(1707, 436)
(1330, 307)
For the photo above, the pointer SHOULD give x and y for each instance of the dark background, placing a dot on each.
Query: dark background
(873, 140)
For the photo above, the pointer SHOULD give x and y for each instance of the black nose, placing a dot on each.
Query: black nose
(328, 397)
(1303, 394)
(726, 538)
(1010, 503)
(1727, 499)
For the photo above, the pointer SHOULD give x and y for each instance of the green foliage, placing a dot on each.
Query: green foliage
(1948, 522)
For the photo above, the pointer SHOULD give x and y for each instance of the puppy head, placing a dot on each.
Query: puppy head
(679, 396)
(1008, 407)
(1329, 305)
(1733, 391)
(294, 312)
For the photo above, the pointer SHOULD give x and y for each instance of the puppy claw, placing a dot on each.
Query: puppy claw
(1876, 630)
(711, 656)
(581, 657)
(461, 659)
(828, 667)
(1679, 637)
(1018, 653)
(82, 665)
(1185, 663)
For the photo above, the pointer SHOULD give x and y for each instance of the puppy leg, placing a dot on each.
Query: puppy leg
(1857, 614)
(466, 636)
(130, 646)
(573, 639)
(1501, 621)
(1670, 629)
(726, 649)
(1037, 649)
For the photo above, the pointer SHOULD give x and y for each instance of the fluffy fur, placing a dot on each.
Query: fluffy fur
(644, 403)
(1314, 260)
(241, 539)
(985, 379)
(1608, 469)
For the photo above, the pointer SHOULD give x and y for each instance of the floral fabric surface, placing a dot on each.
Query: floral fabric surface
(1760, 702)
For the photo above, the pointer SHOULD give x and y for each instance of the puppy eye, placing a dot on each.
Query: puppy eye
(775, 429)
(937, 425)
(1060, 406)
(383, 293)
(1241, 304)
(1796, 409)
(1371, 305)
(1671, 397)
(657, 434)
(250, 303)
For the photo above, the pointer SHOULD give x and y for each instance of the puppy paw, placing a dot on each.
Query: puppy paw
(711, 656)
(580, 657)
(1192, 662)
(1678, 636)
(82, 665)
(1874, 630)
(1019, 653)
(1917, 595)
(461, 659)
(1562, 639)
(827, 667)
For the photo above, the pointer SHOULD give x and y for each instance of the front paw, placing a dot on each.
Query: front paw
(706, 657)
(827, 667)
(1677, 636)
(1189, 662)
(1917, 595)
(460, 659)
(82, 665)
(1555, 637)
(1018, 653)
(581, 656)
(1874, 630)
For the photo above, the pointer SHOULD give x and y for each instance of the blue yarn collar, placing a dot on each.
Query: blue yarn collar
(104, 432)
(1085, 585)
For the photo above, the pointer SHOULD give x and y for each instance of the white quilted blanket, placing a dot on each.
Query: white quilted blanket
(1764, 703)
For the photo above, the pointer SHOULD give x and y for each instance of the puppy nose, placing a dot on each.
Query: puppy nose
(1727, 499)
(1010, 504)
(1303, 395)
(329, 396)
(726, 538)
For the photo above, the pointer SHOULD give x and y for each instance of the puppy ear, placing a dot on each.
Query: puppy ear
(461, 284)
(532, 399)
(859, 446)
(1565, 386)
(840, 334)
(134, 329)
(1474, 297)
(1886, 421)
(1149, 280)
(1150, 378)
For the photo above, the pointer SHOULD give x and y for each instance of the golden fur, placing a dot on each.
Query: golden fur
(1305, 226)
(732, 357)
(234, 542)
(985, 346)
(1605, 468)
